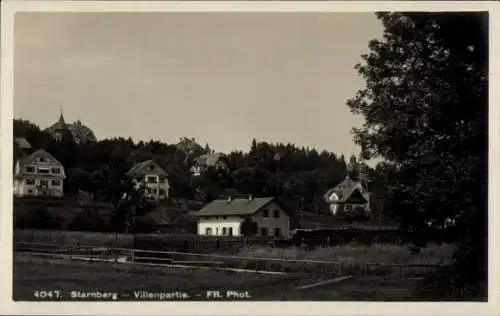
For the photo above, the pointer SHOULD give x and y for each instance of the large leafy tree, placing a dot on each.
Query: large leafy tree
(426, 107)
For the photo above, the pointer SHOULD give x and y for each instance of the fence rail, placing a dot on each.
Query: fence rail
(214, 261)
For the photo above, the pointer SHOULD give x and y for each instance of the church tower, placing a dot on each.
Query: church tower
(59, 130)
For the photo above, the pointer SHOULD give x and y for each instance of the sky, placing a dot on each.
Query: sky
(222, 78)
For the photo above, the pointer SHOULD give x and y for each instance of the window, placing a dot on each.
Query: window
(56, 182)
(30, 169)
(154, 191)
(30, 181)
(265, 212)
(151, 179)
(162, 192)
(277, 232)
(44, 182)
(224, 217)
(56, 170)
(43, 170)
(224, 231)
(151, 167)
(216, 230)
(161, 180)
(276, 213)
(263, 231)
(230, 231)
(208, 231)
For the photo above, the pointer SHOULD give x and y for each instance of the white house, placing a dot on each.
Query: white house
(224, 217)
(39, 174)
(150, 175)
(347, 195)
(201, 163)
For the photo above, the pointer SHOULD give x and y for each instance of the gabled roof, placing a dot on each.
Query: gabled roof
(143, 168)
(208, 160)
(22, 143)
(31, 159)
(345, 190)
(228, 207)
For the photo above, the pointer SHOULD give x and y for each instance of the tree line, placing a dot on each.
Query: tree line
(297, 176)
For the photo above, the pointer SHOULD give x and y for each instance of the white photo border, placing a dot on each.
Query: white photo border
(8, 11)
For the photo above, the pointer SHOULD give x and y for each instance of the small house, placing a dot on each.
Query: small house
(224, 217)
(150, 175)
(39, 174)
(203, 162)
(348, 195)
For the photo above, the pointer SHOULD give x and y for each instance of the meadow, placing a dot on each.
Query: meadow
(65, 276)
(348, 259)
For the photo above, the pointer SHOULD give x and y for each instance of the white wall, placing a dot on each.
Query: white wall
(216, 223)
(22, 188)
(154, 185)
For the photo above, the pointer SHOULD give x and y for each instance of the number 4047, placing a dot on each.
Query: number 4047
(46, 294)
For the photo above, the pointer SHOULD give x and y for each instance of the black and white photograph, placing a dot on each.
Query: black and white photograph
(249, 155)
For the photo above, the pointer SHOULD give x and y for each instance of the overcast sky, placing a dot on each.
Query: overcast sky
(223, 78)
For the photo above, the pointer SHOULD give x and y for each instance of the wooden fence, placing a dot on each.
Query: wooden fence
(218, 261)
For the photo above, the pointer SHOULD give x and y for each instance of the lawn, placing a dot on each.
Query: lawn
(45, 274)
(377, 253)
(48, 274)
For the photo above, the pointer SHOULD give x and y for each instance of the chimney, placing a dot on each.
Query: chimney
(250, 197)
(229, 198)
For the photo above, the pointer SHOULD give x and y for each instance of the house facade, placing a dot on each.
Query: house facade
(224, 217)
(39, 174)
(348, 195)
(150, 175)
(203, 162)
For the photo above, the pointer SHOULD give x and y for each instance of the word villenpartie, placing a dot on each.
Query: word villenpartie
(49, 295)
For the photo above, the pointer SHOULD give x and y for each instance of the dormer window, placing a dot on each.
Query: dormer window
(30, 169)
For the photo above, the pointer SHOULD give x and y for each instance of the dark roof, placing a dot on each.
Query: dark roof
(344, 190)
(31, 159)
(234, 206)
(22, 143)
(141, 168)
(60, 124)
(208, 159)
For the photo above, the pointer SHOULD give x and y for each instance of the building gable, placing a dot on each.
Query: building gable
(38, 159)
(356, 197)
(146, 167)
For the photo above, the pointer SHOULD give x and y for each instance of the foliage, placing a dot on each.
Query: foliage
(248, 227)
(425, 109)
(298, 176)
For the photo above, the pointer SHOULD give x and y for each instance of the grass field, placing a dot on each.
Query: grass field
(349, 259)
(48, 274)
(378, 253)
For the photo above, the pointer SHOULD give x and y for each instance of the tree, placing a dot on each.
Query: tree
(425, 109)
(248, 227)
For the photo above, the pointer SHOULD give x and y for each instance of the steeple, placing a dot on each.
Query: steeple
(61, 124)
